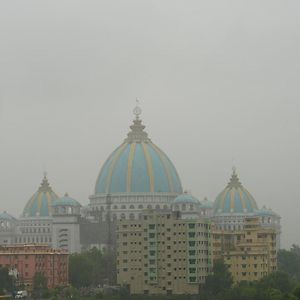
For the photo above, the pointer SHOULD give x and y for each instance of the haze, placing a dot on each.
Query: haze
(218, 82)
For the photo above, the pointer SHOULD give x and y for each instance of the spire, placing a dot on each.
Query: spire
(137, 110)
(137, 133)
(45, 186)
(234, 180)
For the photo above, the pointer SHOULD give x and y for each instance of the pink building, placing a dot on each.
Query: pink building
(26, 260)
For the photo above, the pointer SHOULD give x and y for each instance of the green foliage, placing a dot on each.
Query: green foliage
(92, 268)
(278, 280)
(6, 281)
(220, 280)
(39, 285)
(289, 261)
(296, 292)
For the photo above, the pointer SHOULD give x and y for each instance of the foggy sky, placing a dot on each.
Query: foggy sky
(218, 83)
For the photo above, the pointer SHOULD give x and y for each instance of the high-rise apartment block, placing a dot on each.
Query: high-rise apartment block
(162, 253)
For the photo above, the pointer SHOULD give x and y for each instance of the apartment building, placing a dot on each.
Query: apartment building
(24, 261)
(162, 253)
(250, 253)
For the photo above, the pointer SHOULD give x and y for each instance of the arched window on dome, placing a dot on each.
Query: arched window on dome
(176, 206)
(149, 206)
(131, 206)
(157, 206)
(115, 206)
(183, 207)
(123, 206)
(115, 217)
(122, 217)
(165, 206)
(131, 217)
(191, 207)
(141, 206)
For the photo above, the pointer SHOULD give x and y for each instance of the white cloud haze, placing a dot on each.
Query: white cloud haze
(218, 81)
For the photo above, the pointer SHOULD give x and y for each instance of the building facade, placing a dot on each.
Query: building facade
(24, 261)
(66, 224)
(163, 253)
(249, 252)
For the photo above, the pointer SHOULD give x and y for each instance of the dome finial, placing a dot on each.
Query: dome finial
(137, 110)
(234, 180)
(234, 169)
(45, 186)
(137, 133)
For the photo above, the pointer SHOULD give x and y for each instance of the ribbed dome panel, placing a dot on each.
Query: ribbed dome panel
(138, 168)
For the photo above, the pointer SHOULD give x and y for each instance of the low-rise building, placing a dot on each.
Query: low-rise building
(24, 261)
(162, 253)
(250, 253)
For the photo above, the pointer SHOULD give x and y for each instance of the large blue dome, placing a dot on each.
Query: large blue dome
(138, 166)
(235, 199)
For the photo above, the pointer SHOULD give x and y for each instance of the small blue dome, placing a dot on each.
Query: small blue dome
(265, 212)
(40, 204)
(138, 166)
(186, 198)
(66, 201)
(207, 204)
(235, 199)
(7, 217)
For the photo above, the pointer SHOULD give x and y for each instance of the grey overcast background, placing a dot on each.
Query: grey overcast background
(218, 83)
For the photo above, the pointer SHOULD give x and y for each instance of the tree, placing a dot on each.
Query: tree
(289, 261)
(39, 286)
(220, 280)
(296, 291)
(6, 281)
(92, 268)
(278, 280)
(80, 270)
